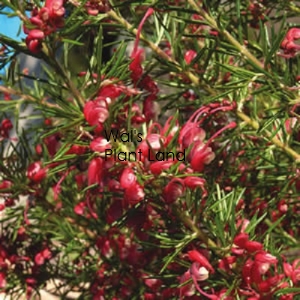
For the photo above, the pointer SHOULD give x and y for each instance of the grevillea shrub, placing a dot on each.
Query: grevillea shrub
(170, 170)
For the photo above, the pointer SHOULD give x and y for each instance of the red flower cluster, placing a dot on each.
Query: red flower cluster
(191, 135)
(138, 209)
(258, 11)
(96, 111)
(43, 22)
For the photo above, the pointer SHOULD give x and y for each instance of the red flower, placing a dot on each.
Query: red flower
(36, 173)
(77, 149)
(150, 108)
(226, 263)
(158, 167)
(293, 270)
(127, 178)
(191, 133)
(100, 144)
(79, 209)
(186, 289)
(42, 256)
(264, 260)
(136, 65)
(5, 127)
(288, 44)
(152, 143)
(189, 56)
(196, 256)
(134, 193)
(95, 171)
(34, 40)
(46, 20)
(173, 190)
(253, 246)
(52, 143)
(2, 280)
(192, 136)
(254, 269)
(96, 113)
(5, 184)
(243, 242)
(193, 182)
(241, 239)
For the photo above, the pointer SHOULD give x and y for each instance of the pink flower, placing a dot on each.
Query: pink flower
(55, 8)
(196, 256)
(79, 209)
(189, 56)
(288, 44)
(96, 113)
(201, 155)
(199, 272)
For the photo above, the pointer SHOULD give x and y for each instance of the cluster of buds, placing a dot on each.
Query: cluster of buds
(198, 28)
(258, 12)
(94, 7)
(43, 22)
(192, 135)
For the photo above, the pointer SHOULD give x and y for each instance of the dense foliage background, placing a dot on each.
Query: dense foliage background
(95, 193)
